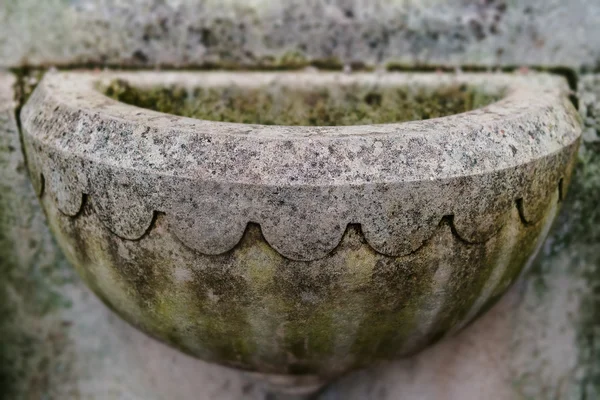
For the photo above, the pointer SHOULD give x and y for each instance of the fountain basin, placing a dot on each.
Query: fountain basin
(295, 249)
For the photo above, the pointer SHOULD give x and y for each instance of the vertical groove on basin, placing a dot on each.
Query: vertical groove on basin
(520, 249)
(399, 286)
(432, 305)
(507, 238)
(316, 302)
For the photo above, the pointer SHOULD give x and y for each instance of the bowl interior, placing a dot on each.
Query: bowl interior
(282, 103)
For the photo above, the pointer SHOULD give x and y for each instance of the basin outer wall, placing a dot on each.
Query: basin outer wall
(256, 310)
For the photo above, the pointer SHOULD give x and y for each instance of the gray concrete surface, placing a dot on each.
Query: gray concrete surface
(290, 32)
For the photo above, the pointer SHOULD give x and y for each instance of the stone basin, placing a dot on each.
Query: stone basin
(311, 223)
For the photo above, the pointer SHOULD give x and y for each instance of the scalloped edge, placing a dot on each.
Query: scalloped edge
(446, 219)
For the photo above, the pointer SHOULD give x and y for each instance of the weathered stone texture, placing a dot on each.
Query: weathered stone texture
(581, 234)
(296, 32)
(31, 270)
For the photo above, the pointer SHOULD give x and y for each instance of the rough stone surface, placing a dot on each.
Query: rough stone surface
(292, 33)
(524, 348)
(32, 274)
(581, 235)
(365, 296)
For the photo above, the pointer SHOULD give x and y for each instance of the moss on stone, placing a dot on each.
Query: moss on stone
(27, 80)
(293, 59)
(280, 105)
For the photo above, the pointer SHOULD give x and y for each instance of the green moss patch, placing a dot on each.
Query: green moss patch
(314, 106)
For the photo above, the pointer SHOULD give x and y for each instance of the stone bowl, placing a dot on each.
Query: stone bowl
(300, 251)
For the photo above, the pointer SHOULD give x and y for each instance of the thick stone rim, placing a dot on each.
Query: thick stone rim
(302, 185)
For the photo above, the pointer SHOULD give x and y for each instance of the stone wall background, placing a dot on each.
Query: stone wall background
(542, 341)
(288, 32)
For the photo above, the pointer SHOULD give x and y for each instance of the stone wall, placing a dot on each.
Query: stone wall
(33, 274)
(57, 340)
(290, 32)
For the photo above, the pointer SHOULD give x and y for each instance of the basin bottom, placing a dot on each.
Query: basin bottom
(294, 385)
